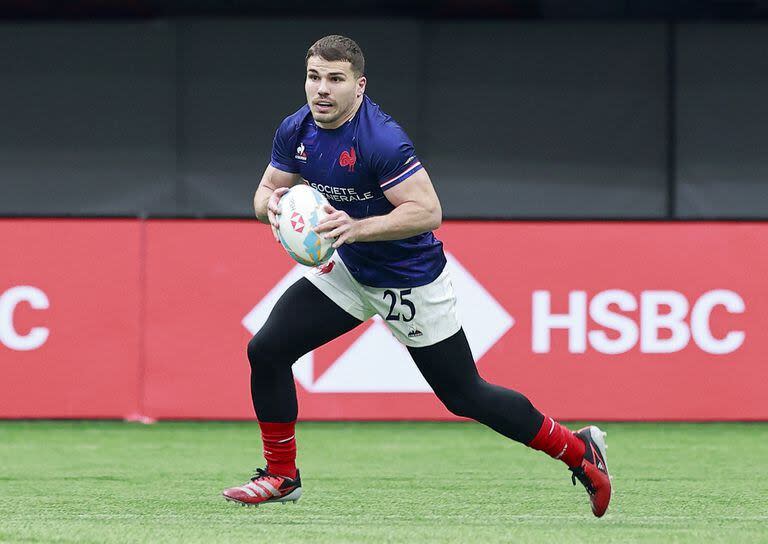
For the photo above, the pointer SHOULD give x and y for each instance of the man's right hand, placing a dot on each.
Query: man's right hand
(272, 210)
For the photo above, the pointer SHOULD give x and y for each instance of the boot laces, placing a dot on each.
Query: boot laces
(578, 473)
(260, 473)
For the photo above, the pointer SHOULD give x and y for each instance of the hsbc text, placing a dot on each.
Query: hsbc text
(659, 311)
(9, 300)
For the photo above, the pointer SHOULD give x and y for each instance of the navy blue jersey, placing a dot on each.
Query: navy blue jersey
(353, 165)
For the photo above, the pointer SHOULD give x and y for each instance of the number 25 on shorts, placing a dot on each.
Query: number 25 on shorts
(404, 303)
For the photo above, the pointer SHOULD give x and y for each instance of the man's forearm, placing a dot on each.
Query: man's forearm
(260, 200)
(406, 220)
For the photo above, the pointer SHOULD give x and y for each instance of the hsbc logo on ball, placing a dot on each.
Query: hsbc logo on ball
(667, 323)
(297, 222)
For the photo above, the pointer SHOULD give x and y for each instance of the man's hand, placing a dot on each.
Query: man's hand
(272, 210)
(339, 225)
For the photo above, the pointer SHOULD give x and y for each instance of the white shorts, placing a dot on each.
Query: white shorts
(416, 316)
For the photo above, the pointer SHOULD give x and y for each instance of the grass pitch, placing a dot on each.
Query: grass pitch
(376, 482)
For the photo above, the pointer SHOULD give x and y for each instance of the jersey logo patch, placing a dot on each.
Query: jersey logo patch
(348, 159)
(301, 153)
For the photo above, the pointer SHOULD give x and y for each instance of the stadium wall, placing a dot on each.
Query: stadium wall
(533, 119)
(150, 319)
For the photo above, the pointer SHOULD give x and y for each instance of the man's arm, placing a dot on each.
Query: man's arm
(417, 210)
(274, 184)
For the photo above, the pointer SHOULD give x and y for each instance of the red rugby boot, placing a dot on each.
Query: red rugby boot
(593, 471)
(264, 488)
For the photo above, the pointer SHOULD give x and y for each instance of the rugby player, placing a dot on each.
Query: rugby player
(388, 262)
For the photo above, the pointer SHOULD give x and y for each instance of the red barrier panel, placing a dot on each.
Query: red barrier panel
(635, 321)
(202, 278)
(69, 318)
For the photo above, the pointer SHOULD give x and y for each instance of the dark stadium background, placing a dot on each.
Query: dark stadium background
(532, 109)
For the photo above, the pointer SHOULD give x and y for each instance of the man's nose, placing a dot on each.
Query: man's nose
(323, 88)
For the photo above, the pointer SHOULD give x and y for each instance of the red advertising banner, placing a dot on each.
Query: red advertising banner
(621, 321)
(69, 318)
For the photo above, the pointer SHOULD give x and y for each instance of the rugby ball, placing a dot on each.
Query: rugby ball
(301, 208)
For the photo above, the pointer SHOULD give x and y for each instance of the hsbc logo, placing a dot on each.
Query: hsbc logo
(297, 222)
(661, 327)
(667, 322)
(10, 337)
(376, 362)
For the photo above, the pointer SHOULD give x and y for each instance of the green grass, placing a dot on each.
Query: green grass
(376, 482)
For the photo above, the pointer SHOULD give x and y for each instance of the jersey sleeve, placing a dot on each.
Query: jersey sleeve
(284, 147)
(393, 158)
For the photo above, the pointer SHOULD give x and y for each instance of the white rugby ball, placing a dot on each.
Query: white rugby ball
(301, 208)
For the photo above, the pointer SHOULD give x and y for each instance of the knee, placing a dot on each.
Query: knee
(461, 401)
(263, 352)
(459, 406)
(254, 352)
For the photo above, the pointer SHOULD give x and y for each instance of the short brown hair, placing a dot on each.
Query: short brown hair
(335, 47)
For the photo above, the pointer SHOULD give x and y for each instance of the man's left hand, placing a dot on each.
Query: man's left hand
(338, 224)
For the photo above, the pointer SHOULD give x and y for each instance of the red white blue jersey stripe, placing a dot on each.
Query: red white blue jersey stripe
(410, 169)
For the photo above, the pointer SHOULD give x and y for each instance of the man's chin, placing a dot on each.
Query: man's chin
(324, 118)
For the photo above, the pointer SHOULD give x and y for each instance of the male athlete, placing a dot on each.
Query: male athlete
(388, 262)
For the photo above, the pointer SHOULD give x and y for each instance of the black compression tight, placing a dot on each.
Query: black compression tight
(304, 319)
(450, 370)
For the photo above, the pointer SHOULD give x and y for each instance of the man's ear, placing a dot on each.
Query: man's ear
(361, 83)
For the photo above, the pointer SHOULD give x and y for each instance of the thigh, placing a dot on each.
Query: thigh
(418, 316)
(447, 365)
(304, 319)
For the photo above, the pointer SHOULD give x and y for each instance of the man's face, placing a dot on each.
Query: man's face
(332, 91)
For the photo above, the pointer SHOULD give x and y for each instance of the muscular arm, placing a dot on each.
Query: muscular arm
(417, 210)
(272, 180)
